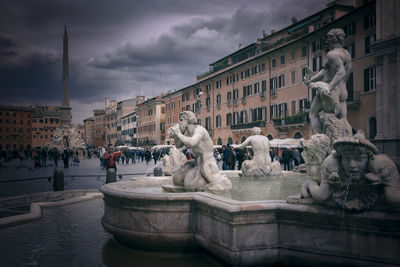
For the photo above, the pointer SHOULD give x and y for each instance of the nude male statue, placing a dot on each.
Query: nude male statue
(330, 82)
(201, 173)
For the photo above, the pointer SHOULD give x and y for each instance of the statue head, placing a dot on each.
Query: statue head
(354, 154)
(256, 131)
(334, 36)
(185, 118)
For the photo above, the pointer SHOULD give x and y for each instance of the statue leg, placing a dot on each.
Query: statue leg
(314, 118)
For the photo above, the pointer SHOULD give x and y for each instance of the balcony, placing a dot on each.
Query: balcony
(299, 120)
(244, 100)
(248, 125)
(273, 92)
(236, 102)
(229, 102)
(262, 94)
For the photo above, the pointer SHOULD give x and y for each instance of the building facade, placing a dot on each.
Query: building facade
(89, 128)
(151, 122)
(45, 121)
(129, 132)
(99, 128)
(387, 52)
(263, 84)
(15, 128)
(124, 108)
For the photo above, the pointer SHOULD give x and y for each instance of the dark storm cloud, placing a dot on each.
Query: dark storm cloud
(122, 48)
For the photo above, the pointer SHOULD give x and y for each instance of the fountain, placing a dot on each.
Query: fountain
(349, 216)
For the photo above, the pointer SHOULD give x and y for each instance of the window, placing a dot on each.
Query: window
(244, 91)
(228, 119)
(304, 51)
(258, 114)
(235, 117)
(293, 55)
(208, 88)
(243, 116)
(351, 49)
(256, 88)
(273, 85)
(281, 81)
(283, 60)
(218, 121)
(293, 77)
(282, 110)
(183, 97)
(317, 63)
(236, 94)
(218, 99)
(369, 21)
(369, 40)
(173, 105)
(372, 128)
(350, 29)
(262, 67)
(208, 102)
(369, 79)
(302, 104)
(249, 90)
(187, 95)
(303, 73)
(273, 63)
(229, 97)
(316, 46)
(243, 75)
(229, 80)
(218, 84)
(264, 86)
(208, 123)
(235, 77)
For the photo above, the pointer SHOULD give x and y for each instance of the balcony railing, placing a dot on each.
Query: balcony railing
(229, 102)
(262, 94)
(248, 125)
(244, 100)
(291, 120)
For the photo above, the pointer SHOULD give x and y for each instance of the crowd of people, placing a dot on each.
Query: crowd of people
(233, 158)
(42, 157)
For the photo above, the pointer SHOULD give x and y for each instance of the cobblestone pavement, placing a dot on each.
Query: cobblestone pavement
(93, 176)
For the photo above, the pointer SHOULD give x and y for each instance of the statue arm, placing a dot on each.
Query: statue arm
(244, 144)
(336, 64)
(320, 192)
(193, 140)
(317, 77)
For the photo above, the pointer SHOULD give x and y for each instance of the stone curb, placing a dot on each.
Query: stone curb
(36, 209)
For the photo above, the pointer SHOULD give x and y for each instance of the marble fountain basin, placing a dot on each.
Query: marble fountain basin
(255, 224)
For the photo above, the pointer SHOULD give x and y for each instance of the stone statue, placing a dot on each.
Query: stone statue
(315, 151)
(173, 161)
(260, 165)
(330, 85)
(201, 173)
(354, 176)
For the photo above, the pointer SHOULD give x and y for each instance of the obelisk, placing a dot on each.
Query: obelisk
(65, 108)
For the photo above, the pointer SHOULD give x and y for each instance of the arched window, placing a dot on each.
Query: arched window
(230, 141)
(243, 139)
(372, 128)
(297, 135)
(219, 142)
(270, 137)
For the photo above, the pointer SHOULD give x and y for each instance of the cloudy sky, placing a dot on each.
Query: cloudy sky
(123, 48)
